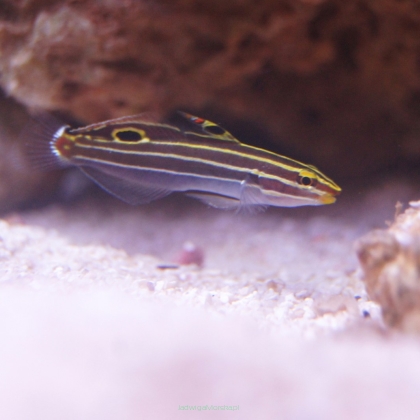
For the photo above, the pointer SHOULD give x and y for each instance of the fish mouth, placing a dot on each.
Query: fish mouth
(328, 199)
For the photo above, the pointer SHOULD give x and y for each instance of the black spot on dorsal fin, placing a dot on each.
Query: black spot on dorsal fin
(209, 128)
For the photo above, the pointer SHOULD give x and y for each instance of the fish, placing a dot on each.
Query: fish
(139, 159)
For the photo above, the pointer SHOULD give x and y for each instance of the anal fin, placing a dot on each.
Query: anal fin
(215, 200)
(127, 190)
(250, 201)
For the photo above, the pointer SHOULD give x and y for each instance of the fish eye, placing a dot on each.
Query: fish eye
(306, 181)
(215, 129)
(128, 135)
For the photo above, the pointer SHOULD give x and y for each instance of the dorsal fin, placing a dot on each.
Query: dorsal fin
(211, 129)
(145, 117)
(147, 122)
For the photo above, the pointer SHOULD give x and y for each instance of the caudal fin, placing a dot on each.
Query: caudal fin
(38, 136)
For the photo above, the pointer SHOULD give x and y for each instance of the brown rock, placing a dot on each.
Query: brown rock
(335, 83)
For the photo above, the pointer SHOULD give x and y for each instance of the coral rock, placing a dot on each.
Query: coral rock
(391, 263)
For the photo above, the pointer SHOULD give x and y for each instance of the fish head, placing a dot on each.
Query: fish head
(317, 186)
(304, 186)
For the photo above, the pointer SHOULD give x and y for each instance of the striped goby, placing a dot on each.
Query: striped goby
(140, 160)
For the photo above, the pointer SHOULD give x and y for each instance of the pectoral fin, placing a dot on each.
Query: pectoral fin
(251, 198)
